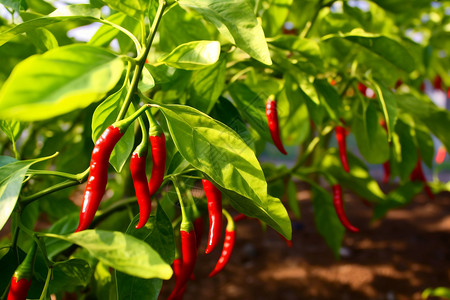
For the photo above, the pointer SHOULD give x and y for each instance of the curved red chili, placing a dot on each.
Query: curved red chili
(98, 175)
(239, 217)
(440, 155)
(339, 207)
(158, 147)
(214, 199)
(138, 164)
(341, 133)
(137, 168)
(418, 175)
(189, 256)
(21, 280)
(228, 244)
(272, 119)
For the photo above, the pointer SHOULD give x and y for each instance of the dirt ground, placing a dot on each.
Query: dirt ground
(393, 259)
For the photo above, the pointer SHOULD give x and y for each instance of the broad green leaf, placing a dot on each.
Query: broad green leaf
(329, 98)
(4, 160)
(236, 21)
(193, 55)
(291, 192)
(104, 289)
(120, 251)
(59, 81)
(406, 151)
(15, 5)
(70, 274)
(370, 136)
(65, 13)
(158, 232)
(105, 114)
(358, 180)
(383, 46)
(252, 107)
(225, 112)
(133, 8)
(147, 82)
(210, 147)
(106, 33)
(206, 86)
(43, 39)
(11, 176)
(65, 225)
(326, 220)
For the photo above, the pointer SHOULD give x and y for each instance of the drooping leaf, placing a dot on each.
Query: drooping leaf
(120, 251)
(236, 21)
(59, 81)
(210, 146)
(70, 274)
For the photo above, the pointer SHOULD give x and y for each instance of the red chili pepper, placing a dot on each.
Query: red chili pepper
(272, 118)
(137, 167)
(158, 143)
(198, 226)
(362, 88)
(341, 133)
(189, 256)
(448, 92)
(418, 175)
(440, 155)
(239, 217)
(422, 87)
(398, 83)
(21, 280)
(339, 207)
(387, 171)
(214, 199)
(228, 245)
(437, 82)
(98, 175)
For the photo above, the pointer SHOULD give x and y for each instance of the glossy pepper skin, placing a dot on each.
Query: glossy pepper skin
(21, 280)
(272, 119)
(98, 175)
(214, 199)
(339, 207)
(418, 175)
(228, 245)
(189, 257)
(137, 168)
(341, 133)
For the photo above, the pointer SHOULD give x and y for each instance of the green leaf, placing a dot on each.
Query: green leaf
(11, 128)
(274, 18)
(236, 21)
(329, 98)
(370, 136)
(206, 86)
(12, 175)
(292, 199)
(193, 55)
(70, 12)
(326, 220)
(15, 5)
(133, 8)
(70, 274)
(65, 225)
(388, 104)
(388, 49)
(222, 155)
(59, 81)
(158, 233)
(43, 39)
(252, 107)
(120, 251)
(147, 82)
(105, 114)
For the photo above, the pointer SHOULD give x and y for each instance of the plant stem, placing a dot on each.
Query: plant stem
(47, 283)
(184, 216)
(126, 32)
(141, 61)
(57, 187)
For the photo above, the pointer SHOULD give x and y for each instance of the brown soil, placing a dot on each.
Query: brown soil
(393, 259)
